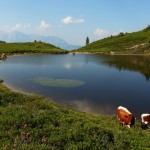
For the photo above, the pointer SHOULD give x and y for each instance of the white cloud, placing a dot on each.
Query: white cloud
(44, 25)
(79, 21)
(101, 32)
(68, 66)
(69, 20)
(27, 26)
(19, 26)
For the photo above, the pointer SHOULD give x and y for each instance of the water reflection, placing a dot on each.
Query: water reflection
(133, 63)
(88, 106)
(68, 65)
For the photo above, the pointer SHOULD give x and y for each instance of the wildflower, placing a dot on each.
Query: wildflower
(27, 135)
(22, 133)
(25, 126)
(44, 140)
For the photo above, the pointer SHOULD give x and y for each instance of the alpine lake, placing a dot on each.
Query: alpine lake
(91, 83)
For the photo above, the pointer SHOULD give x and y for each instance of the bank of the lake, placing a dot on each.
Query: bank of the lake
(33, 122)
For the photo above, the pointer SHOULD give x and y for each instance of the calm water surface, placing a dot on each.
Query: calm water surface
(110, 81)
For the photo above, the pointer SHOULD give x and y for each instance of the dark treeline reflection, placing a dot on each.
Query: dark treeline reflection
(133, 63)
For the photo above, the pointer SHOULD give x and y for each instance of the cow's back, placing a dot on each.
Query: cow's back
(124, 116)
(145, 118)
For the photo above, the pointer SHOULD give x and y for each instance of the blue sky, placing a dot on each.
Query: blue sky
(74, 20)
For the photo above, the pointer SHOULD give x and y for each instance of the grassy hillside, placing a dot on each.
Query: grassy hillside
(32, 122)
(124, 43)
(29, 47)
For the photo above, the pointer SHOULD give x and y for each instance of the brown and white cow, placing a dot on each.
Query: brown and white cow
(125, 117)
(145, 120)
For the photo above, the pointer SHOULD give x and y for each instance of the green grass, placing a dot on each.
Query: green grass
(127, 43)
(1, 81)
(30, 47)
(33, 122)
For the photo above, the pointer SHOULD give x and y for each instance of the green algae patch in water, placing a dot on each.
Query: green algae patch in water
(65, 83)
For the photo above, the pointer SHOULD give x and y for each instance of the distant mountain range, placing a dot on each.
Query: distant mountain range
(22, 37)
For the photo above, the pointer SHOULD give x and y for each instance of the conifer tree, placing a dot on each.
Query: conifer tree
(87, 40)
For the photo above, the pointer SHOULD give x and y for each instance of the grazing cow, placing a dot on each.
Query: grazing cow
(145, 120)
(125, 117)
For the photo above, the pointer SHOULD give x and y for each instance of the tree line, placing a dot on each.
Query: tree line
(2, 41)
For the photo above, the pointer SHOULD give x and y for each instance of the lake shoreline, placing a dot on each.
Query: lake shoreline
(115, 54)
(72, 53)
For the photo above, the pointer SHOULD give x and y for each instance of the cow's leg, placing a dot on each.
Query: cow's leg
(144, 126)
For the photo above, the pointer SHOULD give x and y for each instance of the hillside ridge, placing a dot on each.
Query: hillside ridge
(29, 47)
(123, 43)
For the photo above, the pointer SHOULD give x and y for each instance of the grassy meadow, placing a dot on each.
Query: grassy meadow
(123, 43)
(30, 47)
(33, 122)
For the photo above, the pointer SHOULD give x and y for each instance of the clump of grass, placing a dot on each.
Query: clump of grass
(1, 81)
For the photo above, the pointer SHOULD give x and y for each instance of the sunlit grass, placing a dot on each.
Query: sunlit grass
(30, 47)
(127, 43)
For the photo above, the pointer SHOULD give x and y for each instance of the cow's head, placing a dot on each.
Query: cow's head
(132, 122)
(144, 126)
